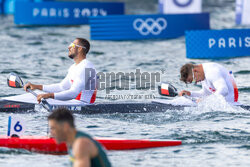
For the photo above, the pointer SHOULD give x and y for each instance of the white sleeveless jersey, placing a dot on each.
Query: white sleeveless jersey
(80, 83)
(218, 80)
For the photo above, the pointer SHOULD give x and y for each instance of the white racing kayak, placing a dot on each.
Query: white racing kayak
(28, 103)
(31, 99)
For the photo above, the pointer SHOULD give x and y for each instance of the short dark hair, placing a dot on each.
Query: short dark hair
(62, 115)
(185, 71)
(85, 43)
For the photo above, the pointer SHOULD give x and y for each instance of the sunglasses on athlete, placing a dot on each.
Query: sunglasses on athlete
(74, 45)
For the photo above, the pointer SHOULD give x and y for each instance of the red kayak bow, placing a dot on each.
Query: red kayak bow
(48, 145)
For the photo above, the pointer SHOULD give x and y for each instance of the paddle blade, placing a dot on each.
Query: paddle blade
(166, 89)
(46, 105)
(14, 81)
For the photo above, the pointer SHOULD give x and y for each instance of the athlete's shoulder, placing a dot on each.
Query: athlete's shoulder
(211, 70)
(88, 64)
(82, 141)
(84, 145)
(71, 67)
(215, 67)
(210, 64)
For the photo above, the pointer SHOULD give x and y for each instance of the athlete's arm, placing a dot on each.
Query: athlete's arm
(77, 86)
(83, 150)
(63, 95)
(32, 86)
(71, 93)
(199, 93)
(44, 96)
(53, 88)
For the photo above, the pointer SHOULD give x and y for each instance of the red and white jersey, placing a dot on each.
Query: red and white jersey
(80, 83)
(218, 80)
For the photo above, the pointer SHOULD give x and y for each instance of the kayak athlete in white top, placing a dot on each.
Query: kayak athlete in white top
(80, 82)
(215, 79)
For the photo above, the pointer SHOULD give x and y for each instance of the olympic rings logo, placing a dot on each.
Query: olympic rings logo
(181, 4)
(150, 26)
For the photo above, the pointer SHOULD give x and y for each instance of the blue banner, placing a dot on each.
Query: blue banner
(1, 6)
(214, 44)
(63, 13)
(135, 27)
(8, 6)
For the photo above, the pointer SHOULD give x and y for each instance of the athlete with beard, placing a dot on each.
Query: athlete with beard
(80, 82)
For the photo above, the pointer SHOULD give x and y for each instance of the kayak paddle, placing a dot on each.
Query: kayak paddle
(15, 81)
(167, 89)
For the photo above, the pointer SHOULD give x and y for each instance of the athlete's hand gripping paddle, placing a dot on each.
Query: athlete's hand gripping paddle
(15, 81)
(167, 89)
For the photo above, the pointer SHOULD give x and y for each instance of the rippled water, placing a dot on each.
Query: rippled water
(212, 136)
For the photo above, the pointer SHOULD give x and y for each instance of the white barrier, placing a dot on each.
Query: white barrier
(180, 6)
(243, 12)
